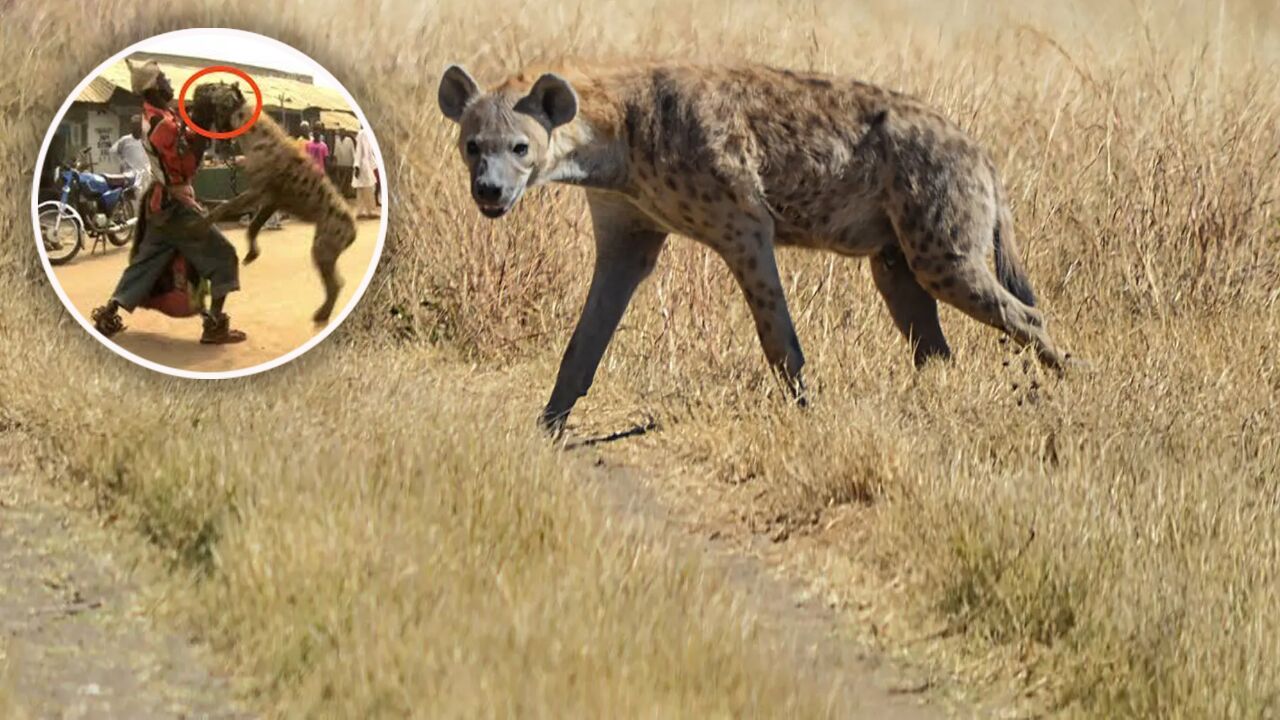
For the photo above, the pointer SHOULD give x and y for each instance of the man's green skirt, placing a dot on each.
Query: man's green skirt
(178, 230)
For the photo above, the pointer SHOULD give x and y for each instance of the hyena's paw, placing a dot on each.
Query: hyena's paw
(552, 422)
(321, 316)
(251, 256)
(1072, 365)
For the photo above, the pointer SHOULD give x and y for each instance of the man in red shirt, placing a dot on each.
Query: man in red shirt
(318, 150)
(170, 222)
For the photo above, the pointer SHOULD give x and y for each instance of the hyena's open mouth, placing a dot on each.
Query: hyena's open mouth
(494, 211)
(496, 208)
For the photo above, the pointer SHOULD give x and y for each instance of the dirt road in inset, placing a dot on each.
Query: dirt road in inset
(278, 294)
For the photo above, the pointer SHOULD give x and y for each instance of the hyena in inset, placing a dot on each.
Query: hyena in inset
(280, 177)
(743, 160)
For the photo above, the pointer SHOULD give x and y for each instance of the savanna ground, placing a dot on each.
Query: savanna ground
(274, 306)
(77, 638)
(376, 528)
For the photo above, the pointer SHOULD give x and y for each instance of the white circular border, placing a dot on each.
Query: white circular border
(319, 337)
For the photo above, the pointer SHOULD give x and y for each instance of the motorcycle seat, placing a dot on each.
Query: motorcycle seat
(116, 181)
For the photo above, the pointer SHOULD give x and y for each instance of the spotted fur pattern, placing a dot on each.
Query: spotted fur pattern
(745, 159)
(280, 176)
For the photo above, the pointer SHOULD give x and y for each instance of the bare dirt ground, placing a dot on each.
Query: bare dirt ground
(823, 646)
(77, 636)
(847, 622)
(278, 294)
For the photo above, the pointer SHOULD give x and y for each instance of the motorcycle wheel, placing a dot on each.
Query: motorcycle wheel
(64, 243)
(122, 215)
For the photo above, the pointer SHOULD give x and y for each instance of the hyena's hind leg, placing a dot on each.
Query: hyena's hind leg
(979, 295)
(965, 282)
(264, 214)
(334, 234)
(947, 226)
(913, 309)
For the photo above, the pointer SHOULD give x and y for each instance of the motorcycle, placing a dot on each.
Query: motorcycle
(100, 205)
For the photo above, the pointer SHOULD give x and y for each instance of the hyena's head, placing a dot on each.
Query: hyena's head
(215, 106)
(505, 137)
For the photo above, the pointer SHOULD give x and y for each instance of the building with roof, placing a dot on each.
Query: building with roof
(104, 110)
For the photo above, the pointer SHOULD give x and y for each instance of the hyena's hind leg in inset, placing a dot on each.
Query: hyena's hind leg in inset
(334, 234)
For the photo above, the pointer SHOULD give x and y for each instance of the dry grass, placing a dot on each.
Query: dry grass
(357, 539)
(426, 557)
(1109, 541)
(9, 707)
(1111, 537)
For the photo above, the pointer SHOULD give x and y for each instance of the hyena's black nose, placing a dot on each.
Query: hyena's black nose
(484, 192)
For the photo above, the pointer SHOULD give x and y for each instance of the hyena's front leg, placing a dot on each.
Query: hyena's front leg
(233, 208)
(255, 226)
(627, 248)
(747, 246)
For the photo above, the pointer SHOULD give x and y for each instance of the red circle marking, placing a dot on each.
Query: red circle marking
(182, 102)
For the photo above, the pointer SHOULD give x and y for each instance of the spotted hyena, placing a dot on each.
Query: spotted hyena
(280, 177)
(745, 159)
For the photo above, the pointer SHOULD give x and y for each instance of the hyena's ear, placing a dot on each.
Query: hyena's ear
(457, 88)
(552, 98)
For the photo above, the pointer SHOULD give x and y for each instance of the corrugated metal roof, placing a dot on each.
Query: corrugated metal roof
(98, 91)
(338, 120)
(277, 92)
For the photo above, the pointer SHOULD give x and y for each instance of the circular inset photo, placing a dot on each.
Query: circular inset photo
(210, 203)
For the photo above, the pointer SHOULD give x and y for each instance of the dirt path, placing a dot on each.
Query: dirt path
(822, 647)
(278, 294)
(76, 640)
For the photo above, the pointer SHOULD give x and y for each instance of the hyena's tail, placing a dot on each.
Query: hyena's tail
(1009, 268)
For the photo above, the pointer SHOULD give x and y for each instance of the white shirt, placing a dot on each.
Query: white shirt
(130, 150)
(364, 160)
(344, 152)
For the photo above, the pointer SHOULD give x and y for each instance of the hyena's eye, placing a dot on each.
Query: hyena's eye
(473, 148)
(520, 149)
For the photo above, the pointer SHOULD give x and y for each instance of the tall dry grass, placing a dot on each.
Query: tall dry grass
(1118, 527)
(1108, 541)
(361, 534)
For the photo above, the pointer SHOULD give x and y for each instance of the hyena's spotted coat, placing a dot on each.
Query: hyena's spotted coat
(281, 177)
(744, 159)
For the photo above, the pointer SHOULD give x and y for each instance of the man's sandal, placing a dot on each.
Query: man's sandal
(106, 320)
(217, 331)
